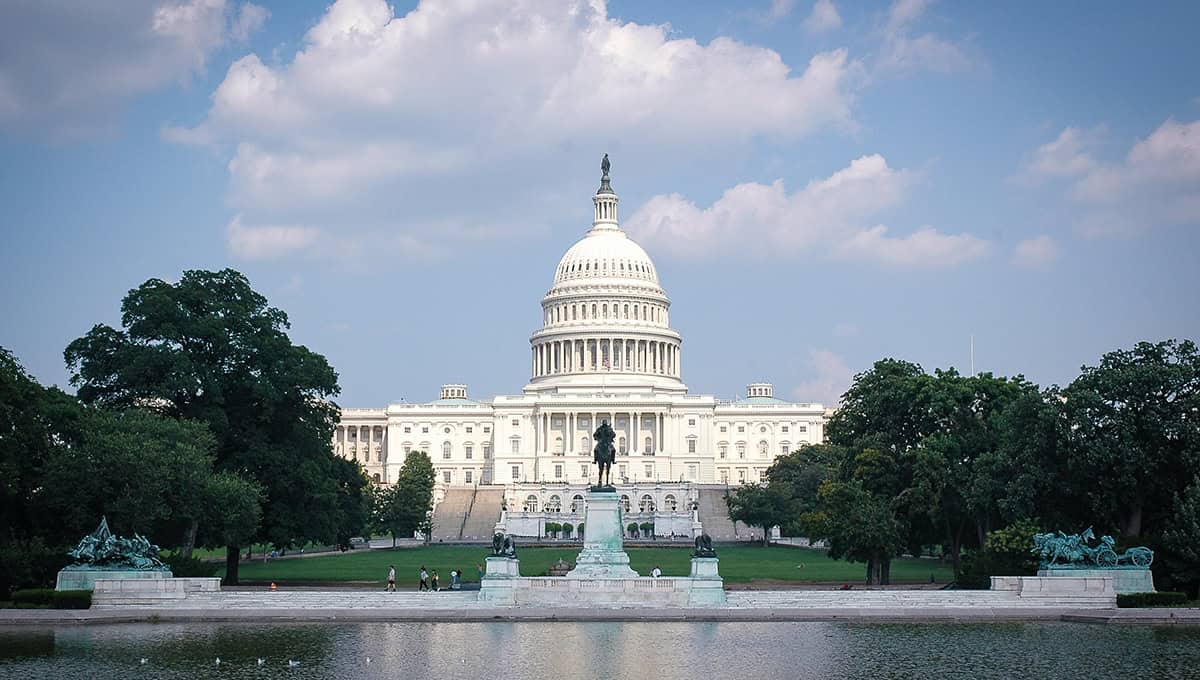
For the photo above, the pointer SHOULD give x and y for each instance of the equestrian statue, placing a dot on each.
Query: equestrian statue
(603, 455)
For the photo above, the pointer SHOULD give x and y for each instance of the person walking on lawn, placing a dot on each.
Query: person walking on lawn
(424, 584)
(434, 582)
(391, 584)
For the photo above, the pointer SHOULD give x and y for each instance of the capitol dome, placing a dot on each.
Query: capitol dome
(606, 316)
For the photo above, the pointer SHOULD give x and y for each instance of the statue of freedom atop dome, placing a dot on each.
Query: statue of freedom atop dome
(604, 454)
(605, 166)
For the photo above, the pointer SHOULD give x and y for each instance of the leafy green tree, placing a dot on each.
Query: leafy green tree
(1181, 541)
(799, 475)
(757, 505)
(234, 510)
(1132, 433)
(146, 472)
(552, 529)
(354, 500)
(647, 529)
(858, 526)
(567, 528)
(632, 529)
(406, 507)
(209, 348)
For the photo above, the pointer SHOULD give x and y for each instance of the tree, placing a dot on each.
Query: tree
(632, 529)
(209, 348)
(759, 506)
(567, 528)
(552, 529)
(799, 475)
(407, 505)
(647, 529)
(354, 500)
(1181, 541)
(1132, 432)
(858, 526)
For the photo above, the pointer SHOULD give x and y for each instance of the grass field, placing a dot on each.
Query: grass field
(739, 564)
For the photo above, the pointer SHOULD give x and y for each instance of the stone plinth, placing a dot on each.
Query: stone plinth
(85, 579)
(603, 554)
(1124, 580)
(1064, 589)
(498, 580)
(120, 592)
(707, 586)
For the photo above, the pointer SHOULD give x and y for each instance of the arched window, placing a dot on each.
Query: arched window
(554, 504)
(593, 310)
(649, 445)
(625, 503)
(785, 448)
(604, 310)
(376, 477)
(669, 501)
(446, 450)
(558, 446)
(574, 312)
(621, 444)
(635, 312)
(646, 504)
(627, 311)
(585, 445)
(762, 449)
(531, 503)
(576, 503)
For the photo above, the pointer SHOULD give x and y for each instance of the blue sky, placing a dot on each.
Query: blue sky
(820, 184)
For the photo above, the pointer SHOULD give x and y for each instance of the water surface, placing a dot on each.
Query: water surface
(597, 651)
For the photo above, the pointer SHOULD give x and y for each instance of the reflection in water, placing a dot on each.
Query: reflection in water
(596, 651)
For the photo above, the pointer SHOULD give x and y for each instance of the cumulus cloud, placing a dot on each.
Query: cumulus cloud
(374, 107)
(903, 50)
(824, 17)
(1038, 252)
(827, 215)
(831, 377)
(1157, 182)
(66, 66)
(267, 241)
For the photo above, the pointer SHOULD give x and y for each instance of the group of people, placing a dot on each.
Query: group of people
(427, 580)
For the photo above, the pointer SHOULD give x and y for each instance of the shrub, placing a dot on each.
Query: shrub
(30, 564)
(33, 596)
(647, 528)
(1160, 599)
(190, 567)
(552, 528)
(71, 599)
(567, 528)
(633, 528)
(579, 530)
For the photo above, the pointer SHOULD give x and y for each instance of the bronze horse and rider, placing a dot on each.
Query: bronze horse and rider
(604, 454)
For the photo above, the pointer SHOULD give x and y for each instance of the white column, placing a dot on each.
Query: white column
(633, 434)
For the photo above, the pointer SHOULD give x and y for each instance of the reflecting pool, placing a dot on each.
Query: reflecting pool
(563, 651)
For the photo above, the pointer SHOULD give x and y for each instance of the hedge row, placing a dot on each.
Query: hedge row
(55, 599)
(1160, 599)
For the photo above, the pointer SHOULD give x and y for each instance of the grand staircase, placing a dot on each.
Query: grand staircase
(467, 514)
(714, 516)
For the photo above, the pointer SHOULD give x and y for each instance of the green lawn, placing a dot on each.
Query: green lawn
(739, 564)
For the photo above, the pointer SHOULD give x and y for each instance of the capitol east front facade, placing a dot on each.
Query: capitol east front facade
(606, 351)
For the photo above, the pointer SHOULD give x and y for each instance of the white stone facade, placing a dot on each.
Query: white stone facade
(605, 352)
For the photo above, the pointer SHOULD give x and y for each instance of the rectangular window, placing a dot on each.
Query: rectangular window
(692, 472)
(722, 452)
(446, 476)
(407, 430)
(783, 449)
(691, 446)
(469, 451)
(803, 428)
(785, 428)
(584, 470)
(558, 472)
(516, 446)
(741, 475)
(516, 472)
(649, 472)
(446, 454)
(741, 428)
(622, 471)
(487, 429)
(487, 451)
(691, 421)
(468, 477)
(762, 475)
(425, 430)
(470, 429)
(723, 428)
(516, 423)
(724, 476)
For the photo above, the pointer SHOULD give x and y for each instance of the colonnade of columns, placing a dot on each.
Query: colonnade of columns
(363, 434)
(573, 432)
(557, 357)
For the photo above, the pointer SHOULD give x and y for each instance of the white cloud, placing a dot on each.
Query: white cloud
(824, 17)
(65, 66)
(1038, 252)
(826, 216)
(781, 8)
(269, 241)
(925, 248)
(831, 378)
(901, 50)
(1157, 182)
(374, 107)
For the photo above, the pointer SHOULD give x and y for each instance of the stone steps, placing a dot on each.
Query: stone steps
(802, 599)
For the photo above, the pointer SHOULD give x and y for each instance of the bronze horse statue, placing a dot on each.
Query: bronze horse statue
(604, 453)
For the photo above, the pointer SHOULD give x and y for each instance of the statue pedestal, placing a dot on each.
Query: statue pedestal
(500, 580)
(707, 586)
(603, 554)
(85, 579)
(1124, 580)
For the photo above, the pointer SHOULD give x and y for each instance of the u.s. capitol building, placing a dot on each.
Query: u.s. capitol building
(606, 351)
